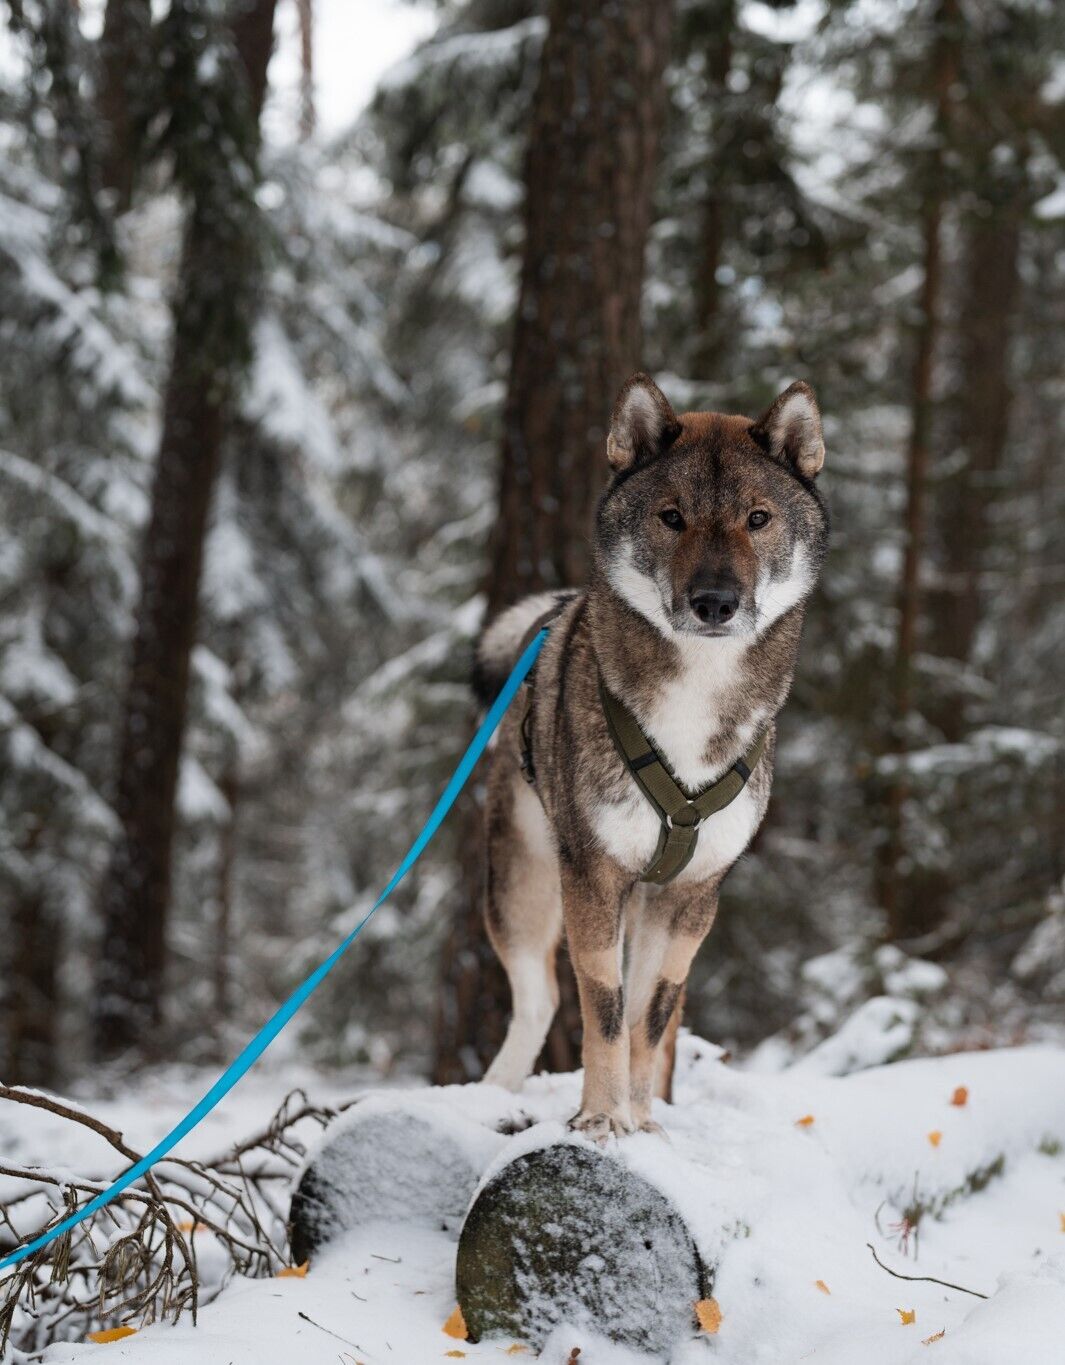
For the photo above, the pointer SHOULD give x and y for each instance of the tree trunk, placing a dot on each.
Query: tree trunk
(905, 917)
(983, 400)
(211, 320)
(718, 48)
(127, 68)
(588, 183)
(589, 177)
(30, 989)
(308, 115)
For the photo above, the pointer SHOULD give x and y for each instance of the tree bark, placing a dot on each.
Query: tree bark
(589, 177)
(29, 992)
(588, 182)
(211, 319)
(904, 912)
(308, 113)
(983, 400)
(718, 49)
(127, 68)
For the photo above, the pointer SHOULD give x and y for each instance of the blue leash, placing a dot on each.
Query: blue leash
(266, 1035)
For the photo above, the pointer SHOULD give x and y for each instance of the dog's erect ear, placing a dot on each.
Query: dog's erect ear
(790, 430)
(643, 424)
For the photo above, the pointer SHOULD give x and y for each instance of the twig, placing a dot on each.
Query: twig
(353, 1344)
(930, 1279)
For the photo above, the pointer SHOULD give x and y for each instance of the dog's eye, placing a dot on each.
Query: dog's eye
(673, 519)
(758, 518)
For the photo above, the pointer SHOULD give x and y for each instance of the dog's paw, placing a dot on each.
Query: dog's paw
(600, 1127)
(656, 1129)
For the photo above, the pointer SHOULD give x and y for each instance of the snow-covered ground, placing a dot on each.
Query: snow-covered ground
(783, 1178)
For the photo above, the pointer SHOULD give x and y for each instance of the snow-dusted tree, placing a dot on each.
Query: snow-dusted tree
(216, 77)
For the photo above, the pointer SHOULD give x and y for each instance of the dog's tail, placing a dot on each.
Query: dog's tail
(501, 640)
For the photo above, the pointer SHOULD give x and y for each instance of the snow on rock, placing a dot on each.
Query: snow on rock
(952, 1167)
(392, 1158)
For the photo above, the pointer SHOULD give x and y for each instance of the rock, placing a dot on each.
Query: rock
(566, 1234)
(398, 1160)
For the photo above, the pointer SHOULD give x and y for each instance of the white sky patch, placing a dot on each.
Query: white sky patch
(355, 42)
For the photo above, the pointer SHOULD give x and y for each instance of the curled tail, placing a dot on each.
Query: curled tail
(502, 639)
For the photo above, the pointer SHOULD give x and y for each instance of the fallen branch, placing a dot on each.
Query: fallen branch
(929, 1279)
(145, 1267)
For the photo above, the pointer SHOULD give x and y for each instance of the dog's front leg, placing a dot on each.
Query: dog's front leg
(665, 937)
(593, 907)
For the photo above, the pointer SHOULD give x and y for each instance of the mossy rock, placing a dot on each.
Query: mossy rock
(399, 1164)
(567, 1235)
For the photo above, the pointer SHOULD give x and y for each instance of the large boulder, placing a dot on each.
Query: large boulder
(566, 1234)
(398, 1160)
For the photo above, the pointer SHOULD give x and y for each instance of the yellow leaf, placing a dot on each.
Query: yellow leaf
(516, 1350)
(708, 1315)
(820, 1284)
(456, 1355)
(907, 1315)
(805, 1122)
(293, 1272)
(1062, 1217)
(112, 1334)
(935, 1137)
(189, 1226)
(936, 1336)
(960, 1098)
(456, 1325)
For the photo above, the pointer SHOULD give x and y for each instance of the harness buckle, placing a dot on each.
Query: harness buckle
(685, 824)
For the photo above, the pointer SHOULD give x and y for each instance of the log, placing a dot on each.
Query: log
(399, 1161)
(565, 1234)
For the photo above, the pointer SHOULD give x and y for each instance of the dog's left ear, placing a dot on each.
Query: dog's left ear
(790, 430)
(643, 424)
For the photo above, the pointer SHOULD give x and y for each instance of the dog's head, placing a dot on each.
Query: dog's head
(711, 524)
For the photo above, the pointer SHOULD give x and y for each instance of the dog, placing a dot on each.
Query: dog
(709, 539)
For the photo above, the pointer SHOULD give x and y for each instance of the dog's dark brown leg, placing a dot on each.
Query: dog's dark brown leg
(663, 943)
(594, 911)
(667, 1054)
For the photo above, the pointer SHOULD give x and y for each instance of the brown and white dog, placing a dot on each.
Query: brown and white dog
(709, 540)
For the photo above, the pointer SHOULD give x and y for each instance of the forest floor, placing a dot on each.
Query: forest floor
(784, 1179)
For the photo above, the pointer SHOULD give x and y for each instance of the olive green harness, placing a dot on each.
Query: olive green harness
(681, 814)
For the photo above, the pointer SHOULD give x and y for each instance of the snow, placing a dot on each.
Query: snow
(777, 1204)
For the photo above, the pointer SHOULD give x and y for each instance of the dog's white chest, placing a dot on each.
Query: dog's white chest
(686, 713)
(629, 831)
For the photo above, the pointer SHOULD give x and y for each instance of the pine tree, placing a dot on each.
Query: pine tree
(214, 127)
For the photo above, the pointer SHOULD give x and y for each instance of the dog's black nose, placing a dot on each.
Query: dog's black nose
(714, 606)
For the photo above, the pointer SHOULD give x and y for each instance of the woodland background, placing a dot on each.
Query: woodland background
(281, 415)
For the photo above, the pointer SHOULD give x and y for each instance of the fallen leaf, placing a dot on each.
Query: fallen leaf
(112, 1334)
(708, 1314)
(293, 1272)
(935, 1137)
(516, 1350)
(456, 1355)
(573, 1355)
(1062, 1217)
(936, 1336)
(805, 1122)
(189, 1226)
(907, 1315)
(820, 1284)
(960, 1098)
(456, 1326)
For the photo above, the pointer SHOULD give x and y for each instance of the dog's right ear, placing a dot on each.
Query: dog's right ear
(643, 424)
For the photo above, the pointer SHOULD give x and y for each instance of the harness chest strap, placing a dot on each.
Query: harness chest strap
(680, 814)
